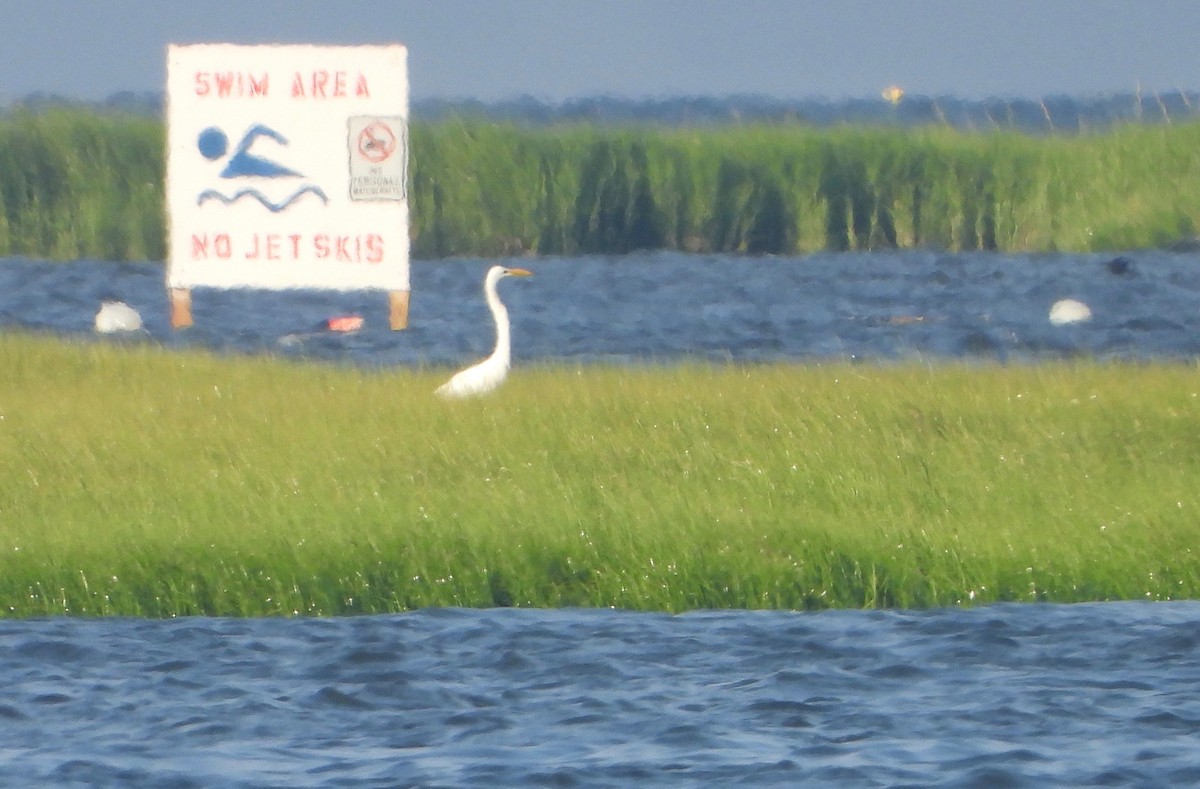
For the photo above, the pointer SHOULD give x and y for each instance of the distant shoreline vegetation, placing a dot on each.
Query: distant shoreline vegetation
(1058, 114)
(743, 175)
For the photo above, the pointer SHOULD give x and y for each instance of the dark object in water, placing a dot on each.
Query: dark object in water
(338, 324)
(1121, 266)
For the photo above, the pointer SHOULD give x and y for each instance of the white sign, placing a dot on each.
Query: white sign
(287, 167)
(378, 158)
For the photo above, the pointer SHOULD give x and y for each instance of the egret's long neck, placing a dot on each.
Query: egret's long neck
(500, 314)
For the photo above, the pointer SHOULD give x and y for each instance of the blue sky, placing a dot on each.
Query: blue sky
(560, 49)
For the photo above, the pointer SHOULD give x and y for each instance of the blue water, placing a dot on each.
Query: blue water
(664, 307)
(1012, 695)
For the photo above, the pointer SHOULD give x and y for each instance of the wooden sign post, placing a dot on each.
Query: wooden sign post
(287, 167)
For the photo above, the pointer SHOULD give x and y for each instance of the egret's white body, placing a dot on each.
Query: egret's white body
(1069, 311)
(117, 316)
(487, 375)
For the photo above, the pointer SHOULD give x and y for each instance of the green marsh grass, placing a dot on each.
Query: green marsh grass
(145, 482)
(88, 185)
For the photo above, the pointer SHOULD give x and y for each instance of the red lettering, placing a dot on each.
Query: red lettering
(366, 248)
(374, 248)
(323, 84)
(319, 84)
(258, 87)
(220, 246)
(226, 84)
(267, 247)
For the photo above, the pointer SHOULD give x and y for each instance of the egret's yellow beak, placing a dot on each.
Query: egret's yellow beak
(519, 272)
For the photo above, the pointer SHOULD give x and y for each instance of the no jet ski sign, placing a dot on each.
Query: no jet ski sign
(287, 167)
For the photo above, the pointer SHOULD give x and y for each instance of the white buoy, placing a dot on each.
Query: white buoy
(117, 316)
(1067, 311)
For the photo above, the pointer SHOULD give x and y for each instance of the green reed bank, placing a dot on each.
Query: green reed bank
(79, 184)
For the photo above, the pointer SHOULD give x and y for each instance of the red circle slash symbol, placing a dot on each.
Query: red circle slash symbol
(376, 142)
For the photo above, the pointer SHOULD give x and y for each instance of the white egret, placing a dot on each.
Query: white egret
(117, 316)
(1067, 311)
(485, 376)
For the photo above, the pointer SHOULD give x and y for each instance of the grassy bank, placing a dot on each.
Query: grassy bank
(142, 482)
(77, 185)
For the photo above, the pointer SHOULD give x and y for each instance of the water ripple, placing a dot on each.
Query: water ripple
(661, 307)
(1009, 695)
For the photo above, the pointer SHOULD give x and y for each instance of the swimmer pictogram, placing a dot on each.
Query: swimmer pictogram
(213, 144)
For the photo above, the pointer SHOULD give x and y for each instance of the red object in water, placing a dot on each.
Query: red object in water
(344, 323)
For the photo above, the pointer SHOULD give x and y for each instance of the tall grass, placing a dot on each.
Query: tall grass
(142, 482)
(76, 185)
